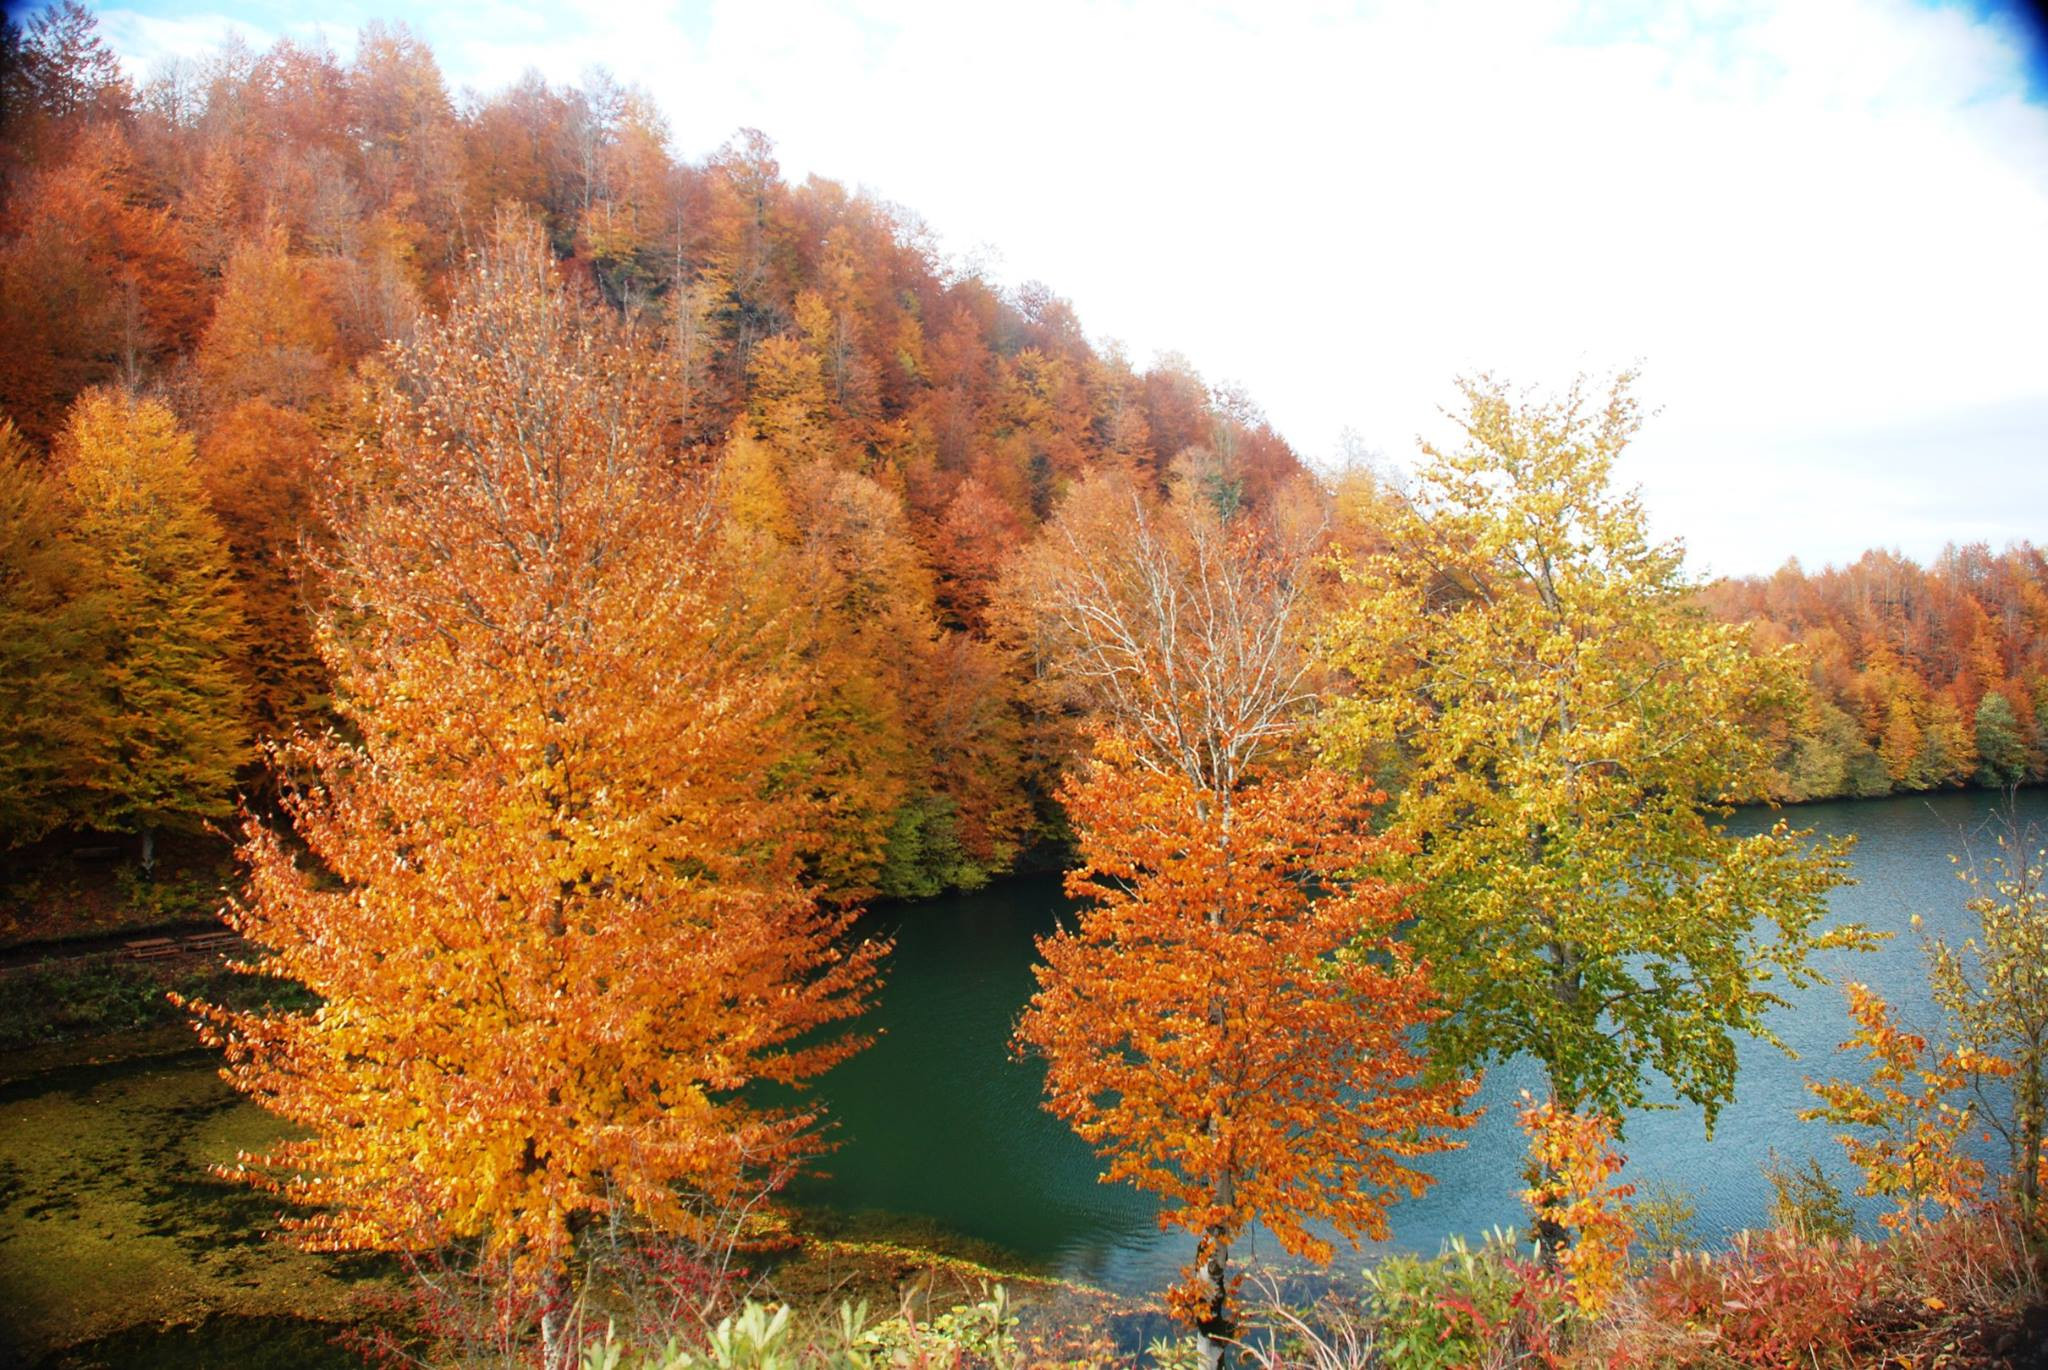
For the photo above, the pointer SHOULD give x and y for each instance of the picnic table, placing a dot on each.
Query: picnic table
(149, 948)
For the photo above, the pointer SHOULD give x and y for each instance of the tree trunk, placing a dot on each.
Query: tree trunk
(1215, 1331)
(557, 1348)
(1552, 1239)
(149, 851)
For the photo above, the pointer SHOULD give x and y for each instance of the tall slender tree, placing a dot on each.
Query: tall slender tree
(162, 618)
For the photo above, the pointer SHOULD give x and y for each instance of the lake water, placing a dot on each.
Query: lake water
(107, 1215)
(937, 1120)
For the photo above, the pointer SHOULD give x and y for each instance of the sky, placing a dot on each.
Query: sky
(1820, 228)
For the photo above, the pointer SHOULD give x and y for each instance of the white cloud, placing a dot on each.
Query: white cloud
(1818, 224)
(146, 42)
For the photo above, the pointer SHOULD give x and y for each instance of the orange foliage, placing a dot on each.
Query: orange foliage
(272, 333)
(255, 235)
(1582, 1219)
(95, 281)
(1221, 1037)
(1908, 1135)
(1903, 660)
(263, 468)
(555, 927)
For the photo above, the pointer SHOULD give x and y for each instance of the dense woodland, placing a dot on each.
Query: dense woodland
(233, 241)
(592, 575)
(1923, 677)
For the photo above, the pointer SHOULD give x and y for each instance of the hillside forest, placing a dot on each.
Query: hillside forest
(233, 244)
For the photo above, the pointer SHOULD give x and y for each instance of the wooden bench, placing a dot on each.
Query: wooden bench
(150, 949)
(210, 941)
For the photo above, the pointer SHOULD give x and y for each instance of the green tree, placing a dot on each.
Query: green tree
(1572, 730)
(2001, 755)
(43, 745)
(161, 613)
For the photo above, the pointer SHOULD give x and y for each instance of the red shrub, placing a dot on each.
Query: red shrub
(1772, 1300)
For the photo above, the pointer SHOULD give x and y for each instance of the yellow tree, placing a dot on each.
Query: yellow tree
(46, 738)
(1569, 732)
(556, 930)
(1993, 988)
(1231, 1024)
(163, 622)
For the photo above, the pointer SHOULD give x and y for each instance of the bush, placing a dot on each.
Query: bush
(1806, 1203)
(1773, 1299)
(1664, 1224)
(1464, 1308)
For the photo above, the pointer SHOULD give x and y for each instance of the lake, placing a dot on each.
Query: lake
(937, 1119)
(107, 1215)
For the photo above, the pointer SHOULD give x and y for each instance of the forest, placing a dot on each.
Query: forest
(233, 241)
(576, 582)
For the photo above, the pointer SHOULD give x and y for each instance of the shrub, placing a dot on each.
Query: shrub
(1773, 1299)
(766, 1337)
(1806, 1203)
(1664, 1224)
(1581, 1217)
(1465, 1307)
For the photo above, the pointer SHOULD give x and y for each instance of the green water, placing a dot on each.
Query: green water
(937, 1120)
(111, 1229)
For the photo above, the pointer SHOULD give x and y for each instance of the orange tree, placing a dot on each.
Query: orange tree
(1907, 1135)
(1571, 1163)
(556, 930)
(1230, 1024)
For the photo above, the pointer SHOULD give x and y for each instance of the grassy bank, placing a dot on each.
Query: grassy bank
(118, 1247)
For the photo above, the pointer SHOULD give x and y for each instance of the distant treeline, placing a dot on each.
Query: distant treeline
(1923, 678)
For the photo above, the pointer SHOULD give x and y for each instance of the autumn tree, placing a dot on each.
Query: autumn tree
(1230, 1024)
(1570, 732)
(553, 918)
(2001, 757)
(1904, 660)
(46, 741)
(271, 336)
(56, 73)
(1993, 991)
(262, 468)
(95, 282)
(1907, 1134)
(163, 623)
